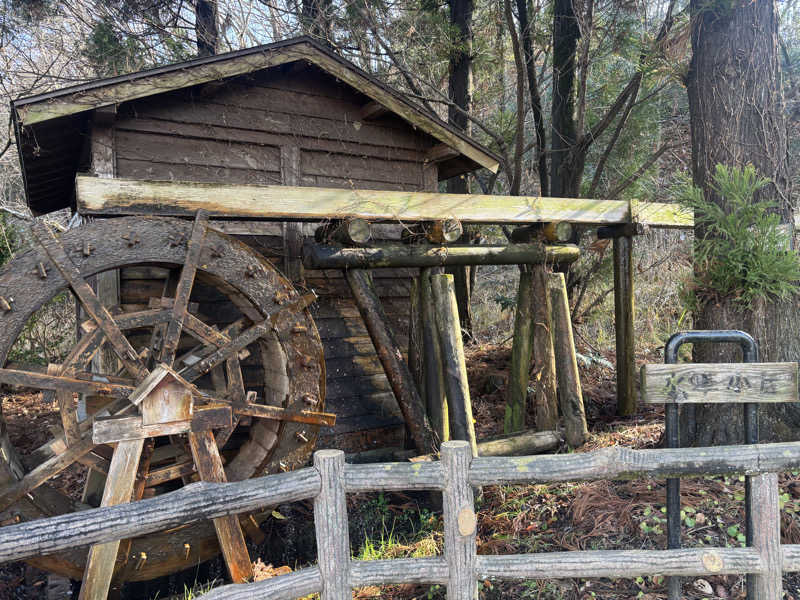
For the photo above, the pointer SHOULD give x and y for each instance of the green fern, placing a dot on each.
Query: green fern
(744, 252)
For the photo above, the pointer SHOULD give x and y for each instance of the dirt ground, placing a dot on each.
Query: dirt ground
(579, 516)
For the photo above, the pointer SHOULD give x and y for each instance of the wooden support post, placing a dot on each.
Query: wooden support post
(764, 534)
(292, 232)
(330, 523)
(545, 395)
(623, 319)
(462, 425)
(371, 310)
(521, 355)
(460, 522)
(229, 530)
(119, 487)
(435, 397)
(416, 355)
(570, 394)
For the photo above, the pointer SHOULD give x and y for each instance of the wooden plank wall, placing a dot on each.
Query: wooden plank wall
(233, 132)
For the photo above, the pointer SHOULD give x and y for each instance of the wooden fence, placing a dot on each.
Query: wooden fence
(330, 480)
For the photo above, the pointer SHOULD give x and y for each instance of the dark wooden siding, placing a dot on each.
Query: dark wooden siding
(233, 133)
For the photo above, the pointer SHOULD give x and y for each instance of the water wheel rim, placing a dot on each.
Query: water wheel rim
(116, 243)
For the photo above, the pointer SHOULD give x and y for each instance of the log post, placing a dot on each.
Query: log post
(623, 312)
(545, 402)
(764, 534)
(330, 524)
(388, 350)
(460, 522)
(462, 425)
(416, 353)
(570, 394)
(435, 397)
(521, 355)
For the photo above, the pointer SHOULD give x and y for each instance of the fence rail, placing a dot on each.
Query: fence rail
(330, 479)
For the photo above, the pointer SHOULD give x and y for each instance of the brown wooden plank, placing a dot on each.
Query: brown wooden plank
(229, 531)
(140, 169)
(119, 487)
(689, 383)
(169, 473)
(184, 287)
(52, 382)
(277, 413)
(114, 429)
(92, 305)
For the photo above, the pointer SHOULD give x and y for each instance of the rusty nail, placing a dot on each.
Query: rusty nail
(280, 297)
(42, 270)
(251, 271)
(5, 304)
(310, 399)
(140, 562)
(301, 436)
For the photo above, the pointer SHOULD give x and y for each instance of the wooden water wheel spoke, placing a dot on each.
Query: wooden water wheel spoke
(184, 288)
(91, 303)
(229, 530)
(48, 469)
(274, 334)
(246, 338)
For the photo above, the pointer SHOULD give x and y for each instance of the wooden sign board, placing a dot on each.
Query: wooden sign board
(699, 383)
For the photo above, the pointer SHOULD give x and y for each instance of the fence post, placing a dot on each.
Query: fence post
(765, 536)
(330, 524)
(459, 521)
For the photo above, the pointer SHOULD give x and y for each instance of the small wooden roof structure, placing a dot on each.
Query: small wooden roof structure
(51, 127)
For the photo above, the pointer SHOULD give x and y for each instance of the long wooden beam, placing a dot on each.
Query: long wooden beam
(128, 197)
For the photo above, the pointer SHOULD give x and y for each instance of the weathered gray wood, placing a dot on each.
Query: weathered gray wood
(127, 196)
(191, 503)
(119, 487)
(764, 535)
(183, 289)
(543, 369)
(570, 394)
(330, 522)
(391, 358)
(688, 383)
(460, 522)
(519, 444)
(115, 429)
(435, 397)
(791, 558)
(283, 587)
(292, 232)
(623, 463)
(414, 255)
(623, 325)
(619, 563)
(416, 571)
(454, 365)
(394, 477)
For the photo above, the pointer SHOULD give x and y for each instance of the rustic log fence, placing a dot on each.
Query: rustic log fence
(460, 568)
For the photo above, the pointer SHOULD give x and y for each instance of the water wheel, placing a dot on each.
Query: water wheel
(270, 328)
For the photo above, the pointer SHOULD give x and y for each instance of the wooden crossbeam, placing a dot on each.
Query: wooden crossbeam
(131, 197)
(115, 429)
(689, 383)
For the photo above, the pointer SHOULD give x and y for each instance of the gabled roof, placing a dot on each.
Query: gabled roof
(54, 119)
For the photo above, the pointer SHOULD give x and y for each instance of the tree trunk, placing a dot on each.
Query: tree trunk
(460, 93)
(566, 158)
(737, 117)
(206, 28)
